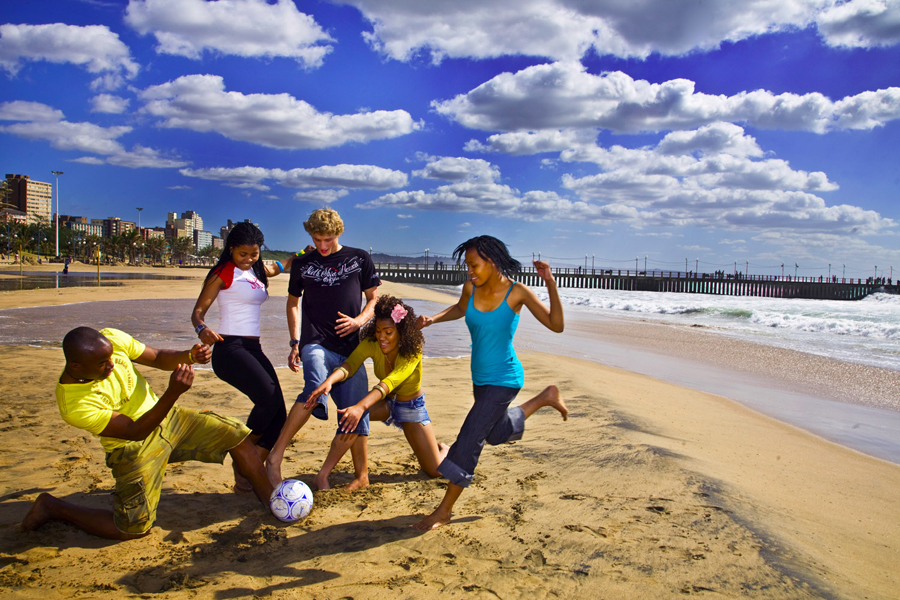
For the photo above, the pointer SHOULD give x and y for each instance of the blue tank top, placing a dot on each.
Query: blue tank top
(494, 361)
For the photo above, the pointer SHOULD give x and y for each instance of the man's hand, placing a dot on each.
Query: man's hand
(294, 358)
(202, 352)
(345, 325)
(181, 379)
(422, 322)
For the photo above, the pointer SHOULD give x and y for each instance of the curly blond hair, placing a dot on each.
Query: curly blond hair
(324, 221)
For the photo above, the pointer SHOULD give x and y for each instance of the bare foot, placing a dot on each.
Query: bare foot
(38, 514)
(273, 471)
(358, 483)
(241, 484)
(436, 519)
(320, 483)
(555, 401)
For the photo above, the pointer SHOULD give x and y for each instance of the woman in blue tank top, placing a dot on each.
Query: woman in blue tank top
(490, 303)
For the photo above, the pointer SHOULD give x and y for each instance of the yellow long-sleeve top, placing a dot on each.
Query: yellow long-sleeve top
(404, 380)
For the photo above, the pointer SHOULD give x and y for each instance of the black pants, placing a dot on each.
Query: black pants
(240, 362)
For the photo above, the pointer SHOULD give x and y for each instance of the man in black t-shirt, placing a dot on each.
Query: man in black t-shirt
(331, 281)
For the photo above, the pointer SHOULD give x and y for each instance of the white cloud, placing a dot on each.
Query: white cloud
(321, 197)
(107, 103)
(48, 125)
(405, 217)
(94, 46)
(338, 176)
(200, 103)
(566, 29)
(646, 187)
(565, 96)
(861, 24)
(249, 28)
(459, 169)
(20, 110)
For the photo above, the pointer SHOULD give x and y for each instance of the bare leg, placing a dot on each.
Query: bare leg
(339, 446)
(247, 461)
(549, 397)
(441, 515)
(359, 452)
(241, 485)
(423, 443)
(296, 419)
(95, 521)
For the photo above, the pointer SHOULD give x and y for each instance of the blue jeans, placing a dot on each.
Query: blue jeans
(489, 420)
(318, 363)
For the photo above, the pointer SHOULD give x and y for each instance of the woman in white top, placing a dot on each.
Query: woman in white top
(239, 282)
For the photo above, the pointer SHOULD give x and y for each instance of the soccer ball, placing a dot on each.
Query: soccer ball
(291, 501)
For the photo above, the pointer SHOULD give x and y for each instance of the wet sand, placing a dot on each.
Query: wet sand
(649, 490)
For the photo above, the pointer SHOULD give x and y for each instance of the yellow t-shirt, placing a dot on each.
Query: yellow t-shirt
(90, 406)
(404, 380)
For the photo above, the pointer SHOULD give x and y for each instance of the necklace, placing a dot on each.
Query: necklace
(77, 380)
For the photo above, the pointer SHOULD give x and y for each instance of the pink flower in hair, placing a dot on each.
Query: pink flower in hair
(398, 313)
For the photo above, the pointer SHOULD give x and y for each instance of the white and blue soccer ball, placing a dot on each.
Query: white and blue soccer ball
(291, 501)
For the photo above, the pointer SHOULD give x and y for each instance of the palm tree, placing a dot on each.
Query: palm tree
(181, 247)
(132, 241)
(156, 246)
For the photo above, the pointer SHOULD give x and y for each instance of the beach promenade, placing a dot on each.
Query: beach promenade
(649, 490)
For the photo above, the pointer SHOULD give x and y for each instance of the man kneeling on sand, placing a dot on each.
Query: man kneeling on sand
(100, 391)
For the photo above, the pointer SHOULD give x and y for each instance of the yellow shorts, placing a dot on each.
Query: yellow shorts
(139, 466)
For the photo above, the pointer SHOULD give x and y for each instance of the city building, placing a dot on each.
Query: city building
(81, 224)
(34, 198)
(202, 239)
(226, 229)
(114, 226)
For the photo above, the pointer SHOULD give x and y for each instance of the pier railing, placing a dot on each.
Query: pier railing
(723, 284)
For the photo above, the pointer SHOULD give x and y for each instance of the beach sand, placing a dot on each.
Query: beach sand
(649, 490)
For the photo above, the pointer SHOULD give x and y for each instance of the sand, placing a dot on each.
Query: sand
(649, 490)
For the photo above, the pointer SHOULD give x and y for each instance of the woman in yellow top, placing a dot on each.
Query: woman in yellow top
(394, 343)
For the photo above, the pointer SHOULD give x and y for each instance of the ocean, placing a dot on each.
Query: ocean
(865, 331)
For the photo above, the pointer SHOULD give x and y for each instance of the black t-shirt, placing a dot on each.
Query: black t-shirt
(329, 285)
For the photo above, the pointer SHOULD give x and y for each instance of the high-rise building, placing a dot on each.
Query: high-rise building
(202, 239)
(34, 198)
(114, 226)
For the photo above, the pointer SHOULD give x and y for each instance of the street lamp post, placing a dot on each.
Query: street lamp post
(139, 218)
(57, 173)
(426, 259)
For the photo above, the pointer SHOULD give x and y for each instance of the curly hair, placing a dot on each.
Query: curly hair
(411, 338)
(324, 221)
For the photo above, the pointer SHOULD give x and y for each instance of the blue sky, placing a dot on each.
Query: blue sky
(758, 132)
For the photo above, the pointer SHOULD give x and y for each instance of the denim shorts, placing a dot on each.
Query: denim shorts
(412, 411)
(318, 363)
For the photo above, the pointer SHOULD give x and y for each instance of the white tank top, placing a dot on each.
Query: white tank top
(239, 301)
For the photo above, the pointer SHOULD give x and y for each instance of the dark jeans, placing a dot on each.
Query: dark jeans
(240, 362)
(489, 420)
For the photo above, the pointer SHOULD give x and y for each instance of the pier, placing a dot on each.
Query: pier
(720, 284)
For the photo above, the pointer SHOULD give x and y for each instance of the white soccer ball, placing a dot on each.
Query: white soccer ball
(291, 501)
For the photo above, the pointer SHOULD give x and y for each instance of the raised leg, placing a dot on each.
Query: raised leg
(548, 397)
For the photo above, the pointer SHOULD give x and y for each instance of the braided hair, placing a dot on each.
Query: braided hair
(491, 249)
(242, 234)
